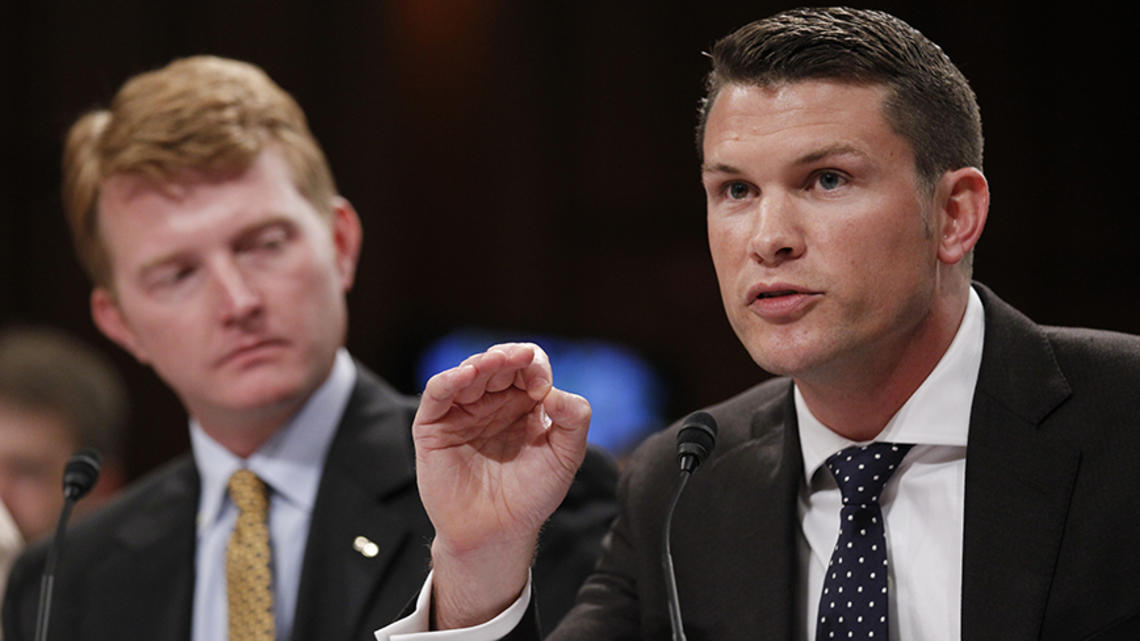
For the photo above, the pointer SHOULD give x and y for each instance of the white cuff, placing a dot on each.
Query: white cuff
(415, 626)
(11, 543)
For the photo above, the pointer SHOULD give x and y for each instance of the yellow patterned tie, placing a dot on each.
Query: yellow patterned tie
(249, 582)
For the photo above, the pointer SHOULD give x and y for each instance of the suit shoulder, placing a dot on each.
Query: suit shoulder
(1102, 372)
(743, 417)
(1014, 340)
(172, 481)
(373, 395)
(1096, 363)
(1102, 348)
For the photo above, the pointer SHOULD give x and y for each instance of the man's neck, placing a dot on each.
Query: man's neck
(243, 431)
(858, 406)
(244, 434)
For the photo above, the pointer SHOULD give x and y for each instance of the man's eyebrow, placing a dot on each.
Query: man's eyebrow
(840, 149)
(720, 168)
(159, 262)
(272, 219)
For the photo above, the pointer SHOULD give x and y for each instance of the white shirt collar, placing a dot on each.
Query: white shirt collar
(937, 413)
(291, 461)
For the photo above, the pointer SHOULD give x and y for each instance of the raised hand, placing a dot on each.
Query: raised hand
(497, 447)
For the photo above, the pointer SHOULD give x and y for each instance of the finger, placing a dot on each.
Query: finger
(534, 375)
(517, 357)
(490, 366)
(460, 384)
(439, 393)
(538, 378)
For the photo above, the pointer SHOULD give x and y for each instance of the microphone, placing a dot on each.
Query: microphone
(695, 441)
(79, 476)
(80, 473)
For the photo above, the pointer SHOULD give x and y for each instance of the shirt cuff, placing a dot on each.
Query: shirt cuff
(416, 626)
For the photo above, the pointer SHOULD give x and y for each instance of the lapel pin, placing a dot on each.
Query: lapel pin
(366, 547)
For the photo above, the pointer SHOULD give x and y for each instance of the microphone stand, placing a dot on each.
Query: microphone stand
(79, 476)
(695, 441)
(667, 561)
(47, 582)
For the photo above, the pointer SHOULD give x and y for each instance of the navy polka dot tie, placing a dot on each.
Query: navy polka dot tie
(854, 600)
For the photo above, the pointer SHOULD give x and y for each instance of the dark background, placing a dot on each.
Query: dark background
(530, 165)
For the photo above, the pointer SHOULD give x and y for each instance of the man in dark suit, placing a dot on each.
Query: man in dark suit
(931, 465)
(206, 215)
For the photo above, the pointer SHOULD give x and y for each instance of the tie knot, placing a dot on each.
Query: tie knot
(862, 470)
(248, 492)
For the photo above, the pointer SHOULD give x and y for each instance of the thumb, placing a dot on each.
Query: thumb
(569, 411)
(570, 414)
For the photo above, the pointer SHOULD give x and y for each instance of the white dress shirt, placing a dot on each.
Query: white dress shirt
(290, 463)
(923, 508)
(923, 502)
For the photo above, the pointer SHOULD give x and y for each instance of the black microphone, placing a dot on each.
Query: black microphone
(695, 442)
(79, 476)
(80, 473)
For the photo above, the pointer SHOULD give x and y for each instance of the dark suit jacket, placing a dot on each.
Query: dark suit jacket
(1051, 545)
(128, 571)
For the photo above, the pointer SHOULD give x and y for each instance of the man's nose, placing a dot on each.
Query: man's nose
(777, 233)
(238, 298)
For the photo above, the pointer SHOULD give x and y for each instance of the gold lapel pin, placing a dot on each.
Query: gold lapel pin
(366, 547)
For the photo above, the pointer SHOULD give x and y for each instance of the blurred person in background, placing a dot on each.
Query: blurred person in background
(57, 395)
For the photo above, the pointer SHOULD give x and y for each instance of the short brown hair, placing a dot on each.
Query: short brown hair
(930, 103)
(200, 113)
(48, 371)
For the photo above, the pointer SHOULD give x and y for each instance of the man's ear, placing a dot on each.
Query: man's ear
(346, 237)
(962, 199)
(110, 320)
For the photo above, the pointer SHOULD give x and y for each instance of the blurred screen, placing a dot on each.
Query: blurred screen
(622, 387)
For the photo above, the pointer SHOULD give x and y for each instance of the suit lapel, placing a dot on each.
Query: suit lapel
(777, 613)
(145, 587)
(1018, 481)
(743, 514)
(365, 512)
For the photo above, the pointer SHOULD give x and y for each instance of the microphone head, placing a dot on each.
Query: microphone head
(80, 473)
(696, 440)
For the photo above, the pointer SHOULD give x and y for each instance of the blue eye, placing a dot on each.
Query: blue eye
(738, 190)
(829, 180)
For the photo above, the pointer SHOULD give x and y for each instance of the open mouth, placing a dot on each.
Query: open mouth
(777, 294)
(780, 302)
